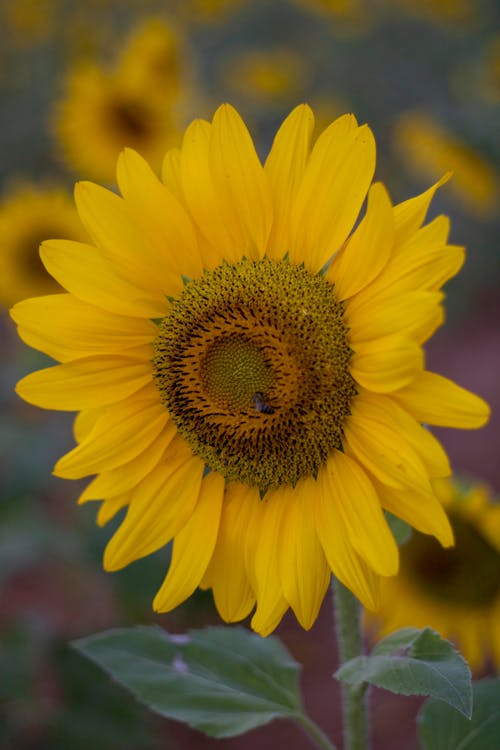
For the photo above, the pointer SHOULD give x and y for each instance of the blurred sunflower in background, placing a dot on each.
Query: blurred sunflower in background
(208, 11)
(438, 11)
(29, 213)
(153, 58)
(354, 12)
(240, 391)
(137, 103)
(29, 21)
(456, 591)
(486, 72)
(265, 76)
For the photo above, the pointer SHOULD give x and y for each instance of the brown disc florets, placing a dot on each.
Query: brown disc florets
(451, 575)
(253, 365)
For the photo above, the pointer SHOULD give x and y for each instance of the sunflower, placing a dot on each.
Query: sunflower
(486, 72)
(135, 104)
(241, 392)
(265, 76)
(29, 214)
(457, 590)
(208, 11)
(445, 12)
(154, 56)
(29, 21)
(349, 15)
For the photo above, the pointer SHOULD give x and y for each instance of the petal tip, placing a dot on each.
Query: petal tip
(486, 411)
(111, 559)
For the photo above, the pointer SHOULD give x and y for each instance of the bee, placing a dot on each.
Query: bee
(260, 404)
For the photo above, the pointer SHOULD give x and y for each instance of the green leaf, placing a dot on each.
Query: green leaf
(401, 531)
(414, 662)
(441, 728)
(222, 681)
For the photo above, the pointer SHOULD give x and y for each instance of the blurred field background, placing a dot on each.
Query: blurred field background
(78, 81)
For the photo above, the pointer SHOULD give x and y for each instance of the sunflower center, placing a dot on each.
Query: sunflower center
(29, 250)
(253, 365)
(129, 118)
(467, 574)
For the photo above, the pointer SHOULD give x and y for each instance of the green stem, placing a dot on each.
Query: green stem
(312, 729)
(350, 644)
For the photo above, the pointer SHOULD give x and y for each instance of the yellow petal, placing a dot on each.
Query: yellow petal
(386, 364)
(226, 573)
(171, 174)
(266, 619)
(122, 432)
(433, 399)
(369, 248)
(109, 508)
(409, 215)
(85, 272)
(85, 383)
(193, 546)
(434, 269)
(385, 410)
(125, 477)
(358, 504)
(262, 556)
(161, 218)
(240, 182)
(383, 451)
(433, 235)
(494, 638)
(409, 314)
(471, 638)
(342, 558)
(66, 328)
(285, 168)
(108, 221)
(422, 511)
(424, 262)
(201, 197)
(160, 506)
(85, 421)
(334, 186)
(304, 572)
